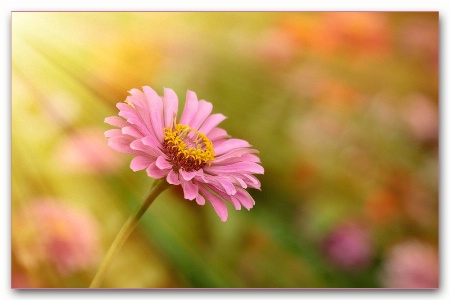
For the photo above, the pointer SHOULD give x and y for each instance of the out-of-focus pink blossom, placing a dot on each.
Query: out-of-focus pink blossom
(411, 265)
(47, 232)
(20, 280)
(85, 151)
(419, 39)
(349, 246)
(422, 118)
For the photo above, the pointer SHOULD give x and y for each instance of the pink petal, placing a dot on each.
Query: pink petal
(156, 111)
(223, 196)
(162, 163)
(240, 167)
(217, 181)
(172, 178)
(217, 134)
(203, 110)
(237, 153)
(151, 141)
(251, 157)
(187, 175)
(131, 130)
(190, 108)
(127, 109)
(170, 101)
(133, 117)
(140, 163)
(116, 121)
(141, 111)
(200, 199)
(211, 122)
(235, 202)
(113, 132)
(244, 197)
(201, 176)
(121, 144)
(137, 98)
(254, 182)
(139, 146)
(241, 182)
(155, 172)
(232, 159)
(227, 185)
(190, 190)
(229, 145)
(217, 203)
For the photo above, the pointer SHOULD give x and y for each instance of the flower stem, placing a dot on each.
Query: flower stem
(158, 186)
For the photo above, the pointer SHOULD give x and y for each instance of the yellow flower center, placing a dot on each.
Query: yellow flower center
(187, 148)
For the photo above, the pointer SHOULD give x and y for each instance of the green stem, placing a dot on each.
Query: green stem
(158, 186)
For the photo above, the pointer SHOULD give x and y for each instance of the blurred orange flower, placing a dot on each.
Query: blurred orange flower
(365, 34)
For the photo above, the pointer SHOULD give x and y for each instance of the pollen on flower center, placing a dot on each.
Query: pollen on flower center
(187, 148)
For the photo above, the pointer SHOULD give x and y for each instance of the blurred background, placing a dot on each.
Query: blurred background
(343, 107)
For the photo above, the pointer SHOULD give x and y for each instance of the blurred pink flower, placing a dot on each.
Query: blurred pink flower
(349, 246)
(48, 232)
(85, 151)
(193, 153)
(419, 38)
(20, 280)
(422, 118)
(411, 265)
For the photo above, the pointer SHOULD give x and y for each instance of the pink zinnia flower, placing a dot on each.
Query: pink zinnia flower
(192, 152)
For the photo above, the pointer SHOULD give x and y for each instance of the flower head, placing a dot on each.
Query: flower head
(55, 234)
(411, 264)
(192, 151)
(349, 246)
